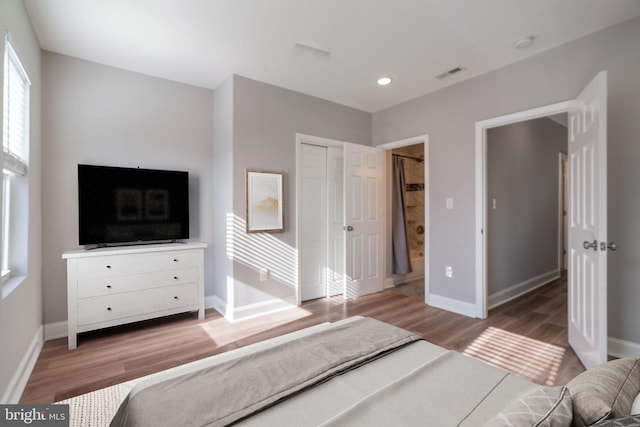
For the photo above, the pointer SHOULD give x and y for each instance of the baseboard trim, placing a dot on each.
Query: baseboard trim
(622, 348)
(55, 330)
(215, 302)
(19, 381)
(453, 305)
(389, 283)
(519, 289)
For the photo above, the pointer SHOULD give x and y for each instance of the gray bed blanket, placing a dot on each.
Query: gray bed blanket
(227, 392)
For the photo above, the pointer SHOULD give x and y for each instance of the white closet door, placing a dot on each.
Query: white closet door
(335, 199)
(313, 222)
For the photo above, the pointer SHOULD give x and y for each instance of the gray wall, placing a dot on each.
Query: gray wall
(21, 311)
(101, 115)
(106, 116)
(449, 115)
(222, 187)
(522, 176)
(266, 119)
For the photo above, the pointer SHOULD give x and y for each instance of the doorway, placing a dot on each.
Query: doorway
(523, 204)
(482, 128)
(416, 154)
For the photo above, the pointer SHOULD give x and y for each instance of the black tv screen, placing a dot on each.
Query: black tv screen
(127, 205)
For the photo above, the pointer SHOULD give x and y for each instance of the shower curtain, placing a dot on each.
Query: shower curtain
(401, 258)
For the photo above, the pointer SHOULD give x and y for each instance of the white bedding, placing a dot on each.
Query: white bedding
(420, 384)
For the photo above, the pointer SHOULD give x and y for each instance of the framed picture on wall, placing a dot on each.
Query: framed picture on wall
(264, 201)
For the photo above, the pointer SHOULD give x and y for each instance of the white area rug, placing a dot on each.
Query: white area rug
(96, 409)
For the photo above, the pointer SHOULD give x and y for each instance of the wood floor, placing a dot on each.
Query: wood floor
(527, 336)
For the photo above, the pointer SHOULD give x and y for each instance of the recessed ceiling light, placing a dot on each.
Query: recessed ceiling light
(523, 42)
(383, 81)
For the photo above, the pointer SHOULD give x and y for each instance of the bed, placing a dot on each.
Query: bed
(355, 372)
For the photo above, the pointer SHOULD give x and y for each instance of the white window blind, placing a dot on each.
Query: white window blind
(15, 135)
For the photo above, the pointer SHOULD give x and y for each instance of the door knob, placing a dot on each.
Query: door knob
(593, 245)
(348, 228)
(612, 246)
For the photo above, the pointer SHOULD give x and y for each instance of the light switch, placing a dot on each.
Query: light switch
(264, 274)
(494, 204)
(449, 202)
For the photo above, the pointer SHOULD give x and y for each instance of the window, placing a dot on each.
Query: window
(15, 149)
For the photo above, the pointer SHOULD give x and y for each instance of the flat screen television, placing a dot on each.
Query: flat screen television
(129, 205)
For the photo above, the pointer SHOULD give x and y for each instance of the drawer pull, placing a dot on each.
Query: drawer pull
(108, 266)
(108, 308)
(175, 260)
(108, 286)
(175, 277)
(176, 298)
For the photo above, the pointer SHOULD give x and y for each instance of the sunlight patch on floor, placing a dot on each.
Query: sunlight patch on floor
(223, 332)
(531, 359)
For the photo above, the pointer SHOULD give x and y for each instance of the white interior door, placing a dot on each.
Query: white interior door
(587, 291)
(364, 182)
(313, 221)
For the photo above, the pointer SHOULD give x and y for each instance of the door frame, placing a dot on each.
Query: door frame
(563, 163)
(420, 139)
(313, 140)
(481, 128)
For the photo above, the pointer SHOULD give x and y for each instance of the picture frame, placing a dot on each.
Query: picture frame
(264, 201)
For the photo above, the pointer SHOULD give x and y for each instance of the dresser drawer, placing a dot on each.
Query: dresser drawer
(124, 265)
(113, 285)
(119, 306)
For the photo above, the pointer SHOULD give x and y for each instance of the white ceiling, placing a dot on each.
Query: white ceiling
(202, 42)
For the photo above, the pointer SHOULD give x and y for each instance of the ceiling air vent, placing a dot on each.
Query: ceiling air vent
(450, 72)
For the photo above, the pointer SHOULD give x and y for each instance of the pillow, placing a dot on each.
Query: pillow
(635, 406)
(630, 421)
(606, 391)
(546, 406)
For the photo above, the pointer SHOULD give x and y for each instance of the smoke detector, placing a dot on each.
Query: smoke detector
(523, 42)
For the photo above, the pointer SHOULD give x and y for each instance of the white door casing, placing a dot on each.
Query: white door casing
(424, 140)
(587, 289)
(364, 176)
(481, 308)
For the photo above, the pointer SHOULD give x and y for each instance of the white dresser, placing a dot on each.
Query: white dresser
(113, 286)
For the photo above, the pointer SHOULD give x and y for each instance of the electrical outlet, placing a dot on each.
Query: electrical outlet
(448, 271)
(449, 202)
